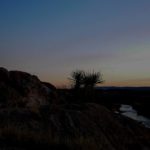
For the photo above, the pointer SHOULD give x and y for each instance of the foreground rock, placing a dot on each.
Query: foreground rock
(73, 127)
(85, 126)
(22, 89)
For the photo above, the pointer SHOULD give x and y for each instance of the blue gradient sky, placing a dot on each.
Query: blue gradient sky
(51, 38)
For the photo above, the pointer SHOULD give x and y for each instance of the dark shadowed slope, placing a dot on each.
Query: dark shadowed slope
(29, 117)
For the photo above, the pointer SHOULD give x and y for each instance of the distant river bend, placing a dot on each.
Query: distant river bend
(128, 111)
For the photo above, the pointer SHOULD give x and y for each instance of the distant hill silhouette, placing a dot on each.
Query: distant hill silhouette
(123, 88)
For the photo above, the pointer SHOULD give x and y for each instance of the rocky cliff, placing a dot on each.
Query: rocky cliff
(22, 89)
(32, 117)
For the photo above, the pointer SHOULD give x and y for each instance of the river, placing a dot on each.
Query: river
(128, 111)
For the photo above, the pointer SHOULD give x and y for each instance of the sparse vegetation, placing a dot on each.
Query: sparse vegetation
(77, 79)
(84, 83)
(84, 79)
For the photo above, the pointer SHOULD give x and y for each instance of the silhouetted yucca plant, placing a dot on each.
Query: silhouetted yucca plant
(91, 79)
(77, 78)
(85, 79)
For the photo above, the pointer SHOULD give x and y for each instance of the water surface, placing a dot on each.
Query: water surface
(127, 110)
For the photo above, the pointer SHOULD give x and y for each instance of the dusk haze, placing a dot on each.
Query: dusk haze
(51, 38)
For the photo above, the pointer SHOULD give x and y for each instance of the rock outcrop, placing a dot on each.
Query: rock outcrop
(22, 89)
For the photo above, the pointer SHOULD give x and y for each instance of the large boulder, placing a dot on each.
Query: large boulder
(23, 89)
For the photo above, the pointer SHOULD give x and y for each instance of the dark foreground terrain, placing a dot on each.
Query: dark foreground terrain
(34, 114)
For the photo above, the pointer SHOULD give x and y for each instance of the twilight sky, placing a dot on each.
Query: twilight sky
(51, 38)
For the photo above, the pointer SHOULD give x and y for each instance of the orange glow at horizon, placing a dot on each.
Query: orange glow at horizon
(130, 83)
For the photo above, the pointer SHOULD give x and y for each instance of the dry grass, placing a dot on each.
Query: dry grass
(84, 127)
(24, 138)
